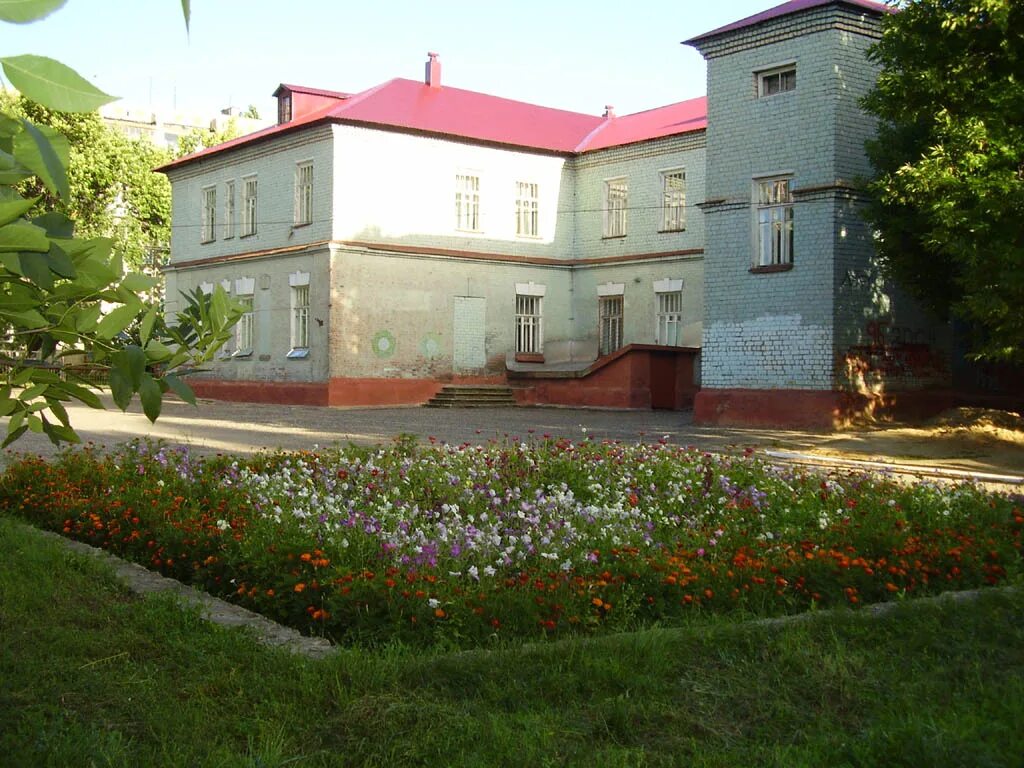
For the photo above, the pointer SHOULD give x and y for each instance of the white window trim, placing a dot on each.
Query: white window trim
(668, 285)
(786, 246)
(763, 73)
(469, 199)
(610, 331)
(670, 320)
(531, 289)
(245, 289)
(300, 317)
(611, 289)
(250, 218)
(208, 214)
(666, 226)
(529, 327)
(206, 288)
(229, 209)
(303, 203)
(527, 210)
(616, 220)
(298, 278)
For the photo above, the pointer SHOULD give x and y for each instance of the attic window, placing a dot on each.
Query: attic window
(776, 80)
(284, 108)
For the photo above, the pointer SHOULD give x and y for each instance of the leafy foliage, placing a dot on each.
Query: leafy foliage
(948, 198)
(200, 138)
(66, 296)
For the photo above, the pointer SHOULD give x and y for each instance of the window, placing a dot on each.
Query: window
(616, 192)
(249, 199)
(229, 210)
(467, 202)
(300, 319)
(673, 201)
(529, 324)
(209, 215)
(284, 108)
(669, 318)
(774, 222)
(610, 312)
(304, 193)
(777, 80)
(526, 209)
(245, 331)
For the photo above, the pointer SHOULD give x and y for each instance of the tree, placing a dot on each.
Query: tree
(251, 112)
(947, 200)
(62, 293)
(201, 138)
(113, 191)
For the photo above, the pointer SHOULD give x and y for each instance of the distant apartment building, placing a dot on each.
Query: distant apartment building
(165, 127)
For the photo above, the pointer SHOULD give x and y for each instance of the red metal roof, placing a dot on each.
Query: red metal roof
(791, 7)
(454, 112)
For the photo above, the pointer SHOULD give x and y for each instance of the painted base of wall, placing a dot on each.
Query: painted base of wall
(813, 409)
(636, 376)
(277, 392)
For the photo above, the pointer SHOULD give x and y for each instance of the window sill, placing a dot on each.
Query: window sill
(528, 237)
(248, 234)
(298, 353)
(666, 231)
(207, 242)
(244, 355)
(770, 268)
(529, 357)
(301, 224)
(469, 231)
(612, 237)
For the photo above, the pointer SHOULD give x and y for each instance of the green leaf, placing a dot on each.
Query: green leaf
(26, 319)
(180, 388)
(58, 410)
(36, 267)
(146, 327)
(60, 262)
(59, 433)
(56, 224)
(151, 396)
(186, 9)
(22, 236)
(136, 282)
(14, 434)
(46, 153)
(80, 393)
(24, 11)
(52, 84)
(115, 322)
(7, 406)
(131, 361)
(120, 388)
(15, 209)
(33, 392)
(35, 423)
(87, 318)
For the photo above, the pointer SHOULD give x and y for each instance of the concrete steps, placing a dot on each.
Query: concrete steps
(466, 396)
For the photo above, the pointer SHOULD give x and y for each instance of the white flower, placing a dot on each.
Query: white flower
(223, 524)
(433, 603)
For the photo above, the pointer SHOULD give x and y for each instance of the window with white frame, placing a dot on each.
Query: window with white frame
(609, 312)
(467, 202)
(669, 317)
(299, 284)
(774, 222)
(304, 193)
(776, 80)
(249, 205)
(208, 228)
(245, 330)
(229, 210)
(527, 216)
(616, 195)
(673, 200)
(529, 319)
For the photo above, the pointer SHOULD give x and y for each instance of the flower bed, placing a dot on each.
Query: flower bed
(518, 540)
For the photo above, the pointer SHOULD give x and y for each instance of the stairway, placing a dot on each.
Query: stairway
(465, 396)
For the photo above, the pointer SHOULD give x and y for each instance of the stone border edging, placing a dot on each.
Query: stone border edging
(143, 581)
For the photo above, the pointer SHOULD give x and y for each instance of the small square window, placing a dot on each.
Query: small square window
(777, 80)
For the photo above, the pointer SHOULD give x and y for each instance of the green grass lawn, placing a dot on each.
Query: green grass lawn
(94, 676)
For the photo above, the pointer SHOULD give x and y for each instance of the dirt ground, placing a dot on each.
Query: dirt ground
(975, 439)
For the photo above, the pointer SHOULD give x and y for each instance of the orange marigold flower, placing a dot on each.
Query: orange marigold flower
(305, 557)
(439, 613)
(300, 587)
(597, 601)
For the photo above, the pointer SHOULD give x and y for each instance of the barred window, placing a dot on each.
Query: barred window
(610, 312)
(529, 324)
(669, 318)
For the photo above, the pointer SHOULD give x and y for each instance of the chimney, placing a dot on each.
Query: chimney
(433, 71)
(609, 110)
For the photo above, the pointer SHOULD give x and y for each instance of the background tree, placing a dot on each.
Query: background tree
(201, 138)
(113, 191)
(948, 196)
(62, 293)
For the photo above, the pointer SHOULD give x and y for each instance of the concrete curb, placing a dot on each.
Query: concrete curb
(269, 633)
(142, 582)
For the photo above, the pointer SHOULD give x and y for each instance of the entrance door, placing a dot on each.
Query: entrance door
(663, 381)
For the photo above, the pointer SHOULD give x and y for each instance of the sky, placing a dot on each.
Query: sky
(565, 54)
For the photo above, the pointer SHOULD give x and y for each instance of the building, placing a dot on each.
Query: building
(164, 128)
(414, 234)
